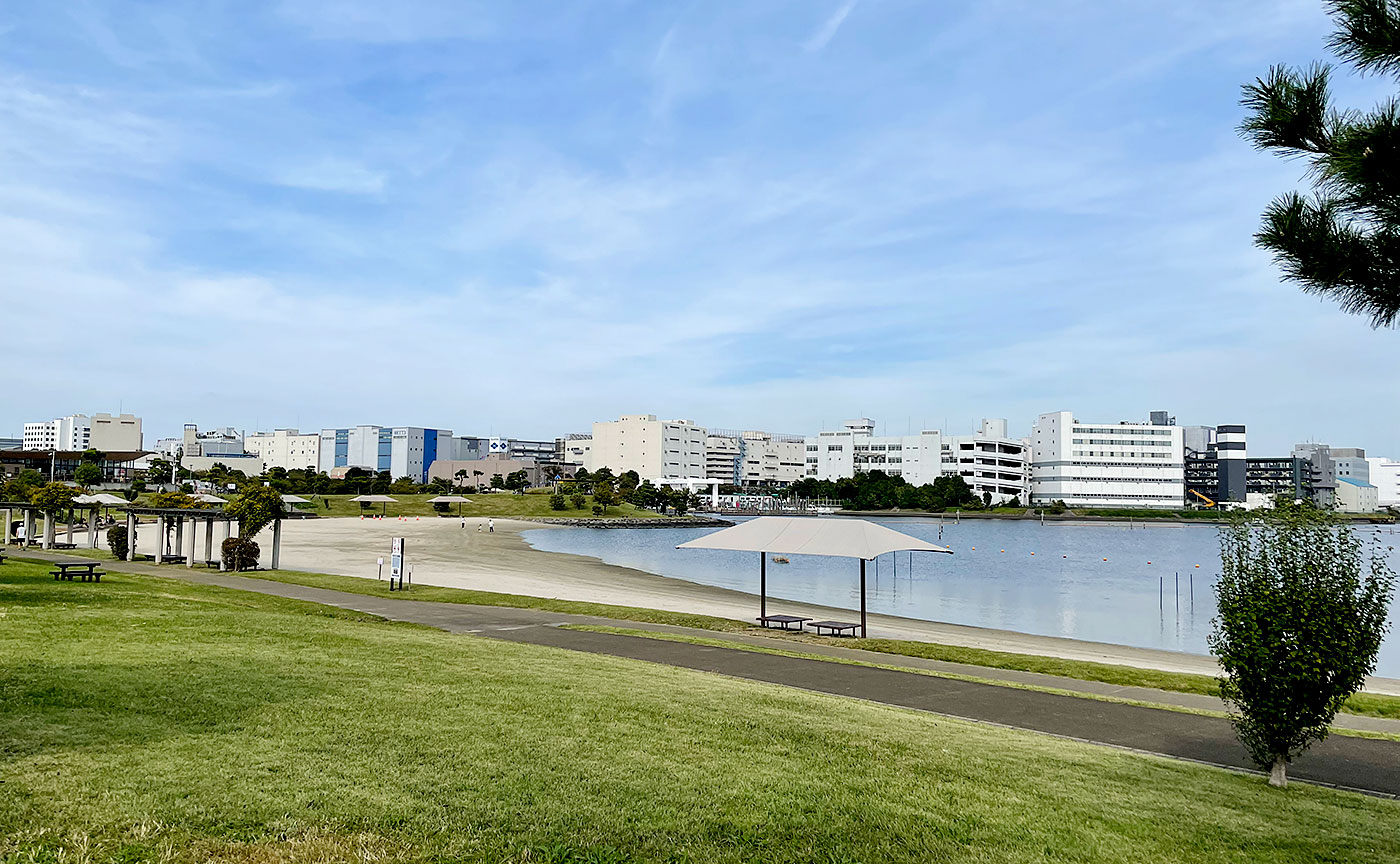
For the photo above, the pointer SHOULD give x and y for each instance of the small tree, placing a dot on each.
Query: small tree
(53, 498)
(604, 496)
(239, 553)
(1302, 612)
(254, 508)
(117, 542)
(174, 501)
(556, 502)
(579, 500)
(87, 475)
(498, 482)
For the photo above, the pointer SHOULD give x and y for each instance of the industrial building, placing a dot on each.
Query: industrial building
(835, 454)
(1105, 465)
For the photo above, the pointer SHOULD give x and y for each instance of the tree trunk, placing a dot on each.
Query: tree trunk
(1278, 775)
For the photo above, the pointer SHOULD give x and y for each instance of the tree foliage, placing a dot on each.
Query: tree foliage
(1302, 612)
(1343, 242)
(239, 553)
(117, 541)
(23, 484)
(254, 508)
(604, 496)
(53, 498)
(87, 475)
(174, 501)
(876, 490)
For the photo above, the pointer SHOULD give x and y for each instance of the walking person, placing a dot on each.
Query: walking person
(491, 525)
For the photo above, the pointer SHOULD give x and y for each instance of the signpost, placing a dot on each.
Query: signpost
(396, 570)
(381, 568)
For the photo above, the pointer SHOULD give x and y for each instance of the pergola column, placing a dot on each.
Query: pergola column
(863, 633)
(69, 541)
(209, 541)
(276, 542)
(92, 528)
(194, 544)
(9, 517)
(227, 523)
(179, 535)
(160, 539)
(130, 536)
(48, 530)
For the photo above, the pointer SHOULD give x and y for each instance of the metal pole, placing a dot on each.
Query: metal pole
(863, 633)
(1176, 591)
(1191, 585)
(1160, 607)
(762, 585)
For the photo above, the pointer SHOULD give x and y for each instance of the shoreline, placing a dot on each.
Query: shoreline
(445, 554)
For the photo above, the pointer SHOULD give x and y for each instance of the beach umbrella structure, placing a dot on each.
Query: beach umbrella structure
(206, 498)
(808, 535)
(95, 501)
(451, 499)
(383, 500)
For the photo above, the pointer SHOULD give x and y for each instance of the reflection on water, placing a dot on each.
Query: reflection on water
(1146, 586)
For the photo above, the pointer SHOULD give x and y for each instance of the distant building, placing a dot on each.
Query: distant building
(119, 433)
(201, 451)
(1198, 439)
(537, 473)
(288, 449)
(117, 466)
(11, 443)
(518, 448)
(1322, 471)
(1351, 462)
(832, 455)
(403, 451)
(651, 447)
(1106, 465)
(1385, 476)
(1224, 473)
(1355, 496)
(573, 449)
(71, 433)
(990, 461)
(754, 458)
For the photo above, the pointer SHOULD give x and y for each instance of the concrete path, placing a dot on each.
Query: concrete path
(1367, 765)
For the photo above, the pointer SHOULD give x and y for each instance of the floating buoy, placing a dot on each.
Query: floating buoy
(974, 548)
(1198, 566)
(1003, 550)
(1105, 559)
(1032, 553)
(1064, 556)
(1149, 562)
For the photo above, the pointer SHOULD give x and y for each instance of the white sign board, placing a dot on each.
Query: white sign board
(396, 559)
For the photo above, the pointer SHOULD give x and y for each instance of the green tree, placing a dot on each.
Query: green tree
(87, 475)
(1343, 242)
(604, 496)
(53, 498)
(556, 502)
(117, 542)
(1302, 612)
(579, 500)
(517, 481)
(23, 484)
(174, 500)
(254, 508)
(498, 482)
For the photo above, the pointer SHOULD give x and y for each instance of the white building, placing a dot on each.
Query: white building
(1352, 462)
(1385, 476)
(653, 448)
(755, 458)
(288, 449)
(1355, 496)
(403, 451)
(841, 453)
(991, 462)
(119, 434)
(73, 432)
(1103, 465)
(573, 449)
(201, 451)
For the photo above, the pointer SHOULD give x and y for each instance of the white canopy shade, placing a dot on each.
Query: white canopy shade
(210, 499)
(376, 499)
(798, 535)
(100, 498)
(294, 499)
(449, 499)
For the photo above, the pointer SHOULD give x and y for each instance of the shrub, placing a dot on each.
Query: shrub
(117, 542)
(597, 510)
(441, 506)
(578, 500)
(240, 553)
(556, 502)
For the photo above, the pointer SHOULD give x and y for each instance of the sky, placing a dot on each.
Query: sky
(518, 218)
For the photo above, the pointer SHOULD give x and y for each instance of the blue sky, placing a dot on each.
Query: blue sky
(518, 218)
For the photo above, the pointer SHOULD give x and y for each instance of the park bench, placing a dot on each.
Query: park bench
(784, 622)
(86, 571)
(837, 628)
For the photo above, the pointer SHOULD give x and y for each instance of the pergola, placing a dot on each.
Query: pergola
(811, 535)
(175, 517)
(451, 499)
(383, 500)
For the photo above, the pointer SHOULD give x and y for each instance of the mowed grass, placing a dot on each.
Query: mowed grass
(502, 505)
(1367, 704)
(146, 719)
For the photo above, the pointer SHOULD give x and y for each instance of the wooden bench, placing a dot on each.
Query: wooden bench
(784, 622)
(837, 628)
(86, 571)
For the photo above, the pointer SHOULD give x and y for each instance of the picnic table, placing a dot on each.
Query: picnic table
(784, 622)
(86, 571)
(837, 628)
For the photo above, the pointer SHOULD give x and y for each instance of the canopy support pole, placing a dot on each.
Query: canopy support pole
(762, 585)
(863, 634)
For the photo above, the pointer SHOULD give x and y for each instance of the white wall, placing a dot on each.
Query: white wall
(1106, 464)
(840, 453)
(1385, 476)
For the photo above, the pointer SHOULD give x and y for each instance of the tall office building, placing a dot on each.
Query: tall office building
(1105, 465)
(654, 448)
(990, 461)
(839, 453)
(403, 451)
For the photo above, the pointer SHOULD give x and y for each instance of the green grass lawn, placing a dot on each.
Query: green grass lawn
(146, 719)
(500, 504)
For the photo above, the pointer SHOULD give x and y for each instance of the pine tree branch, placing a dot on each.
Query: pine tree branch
(1288, 111)
(1368, 34)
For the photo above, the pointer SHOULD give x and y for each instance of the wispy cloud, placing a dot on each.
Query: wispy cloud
(824, 34)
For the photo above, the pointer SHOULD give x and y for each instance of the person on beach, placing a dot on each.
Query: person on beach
(491, 525)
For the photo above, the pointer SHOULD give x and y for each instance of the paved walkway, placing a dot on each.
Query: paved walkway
(1356, 763)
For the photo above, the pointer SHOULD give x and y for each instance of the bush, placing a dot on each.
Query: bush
(578, 500)
(240, 553)
(117, 542)
(556, 502)
(441, 506)
(597, 510)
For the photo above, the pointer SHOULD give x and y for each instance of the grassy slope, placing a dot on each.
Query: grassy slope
(144, 719)
(1125, 676)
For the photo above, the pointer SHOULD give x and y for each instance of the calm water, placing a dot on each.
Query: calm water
(1050, 580)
